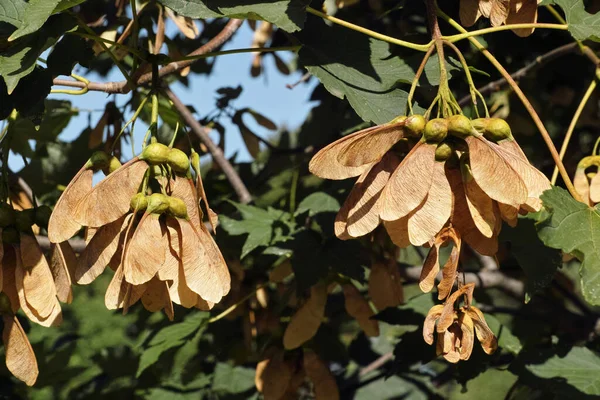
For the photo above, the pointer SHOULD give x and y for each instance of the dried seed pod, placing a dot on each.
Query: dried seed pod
(306, 321)
(358, 308)
(324, 383)
(436, 130)
(140, 260)
(20, 358)
(63, 261)
(273, 375)
(385, 285)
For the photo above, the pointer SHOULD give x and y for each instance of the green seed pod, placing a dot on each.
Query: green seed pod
(155, 153)
(113, 165)
(157, 170)
(460, 126)
(179, 161)
(42, 216)
(139, 202)
(414, 125)
(7, 215)
(398, 119)
(497, 129)
(195, 161)
(158, 203)
(10, 235)
(443, 151)
(98, 160)
(177, 208)
(436, 130)
(465, 168)
(5, 308)
(25, 219)
(480, 124)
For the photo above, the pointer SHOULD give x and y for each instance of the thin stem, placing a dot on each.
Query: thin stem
(130, 122)
(480, 32)
(172, 142)
(536, 119)
(415, 81)
(556, 14)
(81, 91)
(368, 32)
(472, 88)
(238, 51)
(571, 129)
(596, 145)
(236, 305)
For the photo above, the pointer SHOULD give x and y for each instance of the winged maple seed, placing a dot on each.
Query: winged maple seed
(144, 221)
(456, 328)
(468, 174)
(500, 12)
(30, 283)
(587, 180)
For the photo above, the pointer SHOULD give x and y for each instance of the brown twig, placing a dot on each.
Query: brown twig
(122, 87)
(231, 174)
(544, 58)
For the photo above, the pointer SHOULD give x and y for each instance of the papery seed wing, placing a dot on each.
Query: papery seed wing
(181, 293)
(398, 231)
(62, 225)
(116, 291)
(324, 383)
(109, 200)
(448, 313)
(99, 251)
(183, 188)
(508, 213)
(486, 337)
(582, 185)
(499, 12)
(306, 321)
(449, 271)
(156, 295)
(363, 203)
(325, 163)
(372, 147)
(275, 377)
(432, 215)
(202, 274)
(527, 14)
(450, 352)
(493, 173)
(35, 277)
(358, 308)
(385, 285)
(535, 182)
(430, 269)
(467, 339)
(463, 223)
(213, 218)
(186, 25)
(595, 188)
(469, 12)
(20, 358)
(429, 325)
(409, 184)
(485, 7)
(9, 286)
(481, 207)
(204, 305)
(62, 260)
(172, 245)
(141, 259)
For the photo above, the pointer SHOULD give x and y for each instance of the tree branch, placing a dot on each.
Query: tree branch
(544, 58)
(231, 174)
(122, 87)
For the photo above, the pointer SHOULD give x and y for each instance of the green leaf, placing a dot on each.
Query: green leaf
(66, 4)
(69, 51)
(574, 228)
(317, 203)
(365, 73)
(506, 339)
(181, 330)
(580, 368)
(538, 261)
(20, 58)
(257, 223)
(234, 380)
(493, 384)
(12, 11)
(35, 15)
(582, 24)
(151, 355)
(289, 15)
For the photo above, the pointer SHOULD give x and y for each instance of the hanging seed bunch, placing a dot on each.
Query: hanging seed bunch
(433, 183)
(587, 180)
(29, 282)
(144, 221)
(500, 12)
